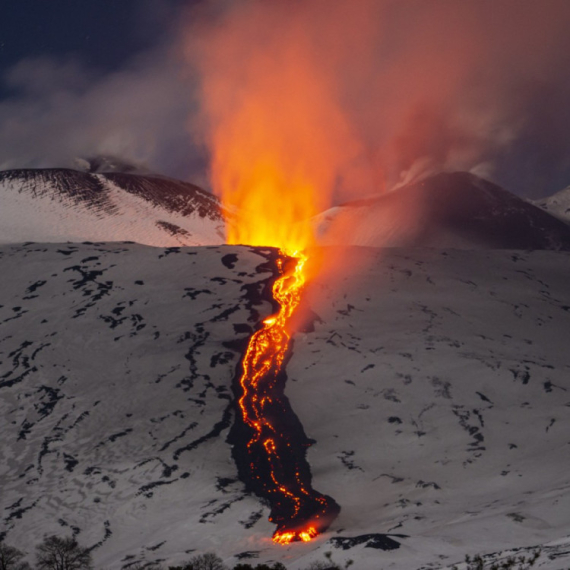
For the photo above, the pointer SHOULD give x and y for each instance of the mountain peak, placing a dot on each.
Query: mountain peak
(108, 163)
(59, 205)
(450, 209)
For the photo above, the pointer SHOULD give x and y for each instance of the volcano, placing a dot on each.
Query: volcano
(430, 393)
(454, 210)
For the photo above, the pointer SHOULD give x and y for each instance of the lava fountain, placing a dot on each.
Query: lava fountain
(279, 143)
(275, 202)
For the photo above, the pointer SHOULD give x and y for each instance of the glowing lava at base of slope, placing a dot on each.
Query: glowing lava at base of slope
(273, 462)
(287, 537)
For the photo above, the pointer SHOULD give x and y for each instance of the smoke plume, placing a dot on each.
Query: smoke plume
(386, 91)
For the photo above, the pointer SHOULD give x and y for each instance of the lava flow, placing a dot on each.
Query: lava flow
(274, 464)
(279, 143)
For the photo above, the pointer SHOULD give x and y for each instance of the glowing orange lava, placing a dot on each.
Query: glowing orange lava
(262, 364)
(277, 135)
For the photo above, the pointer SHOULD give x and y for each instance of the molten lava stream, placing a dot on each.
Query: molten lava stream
(273, 462)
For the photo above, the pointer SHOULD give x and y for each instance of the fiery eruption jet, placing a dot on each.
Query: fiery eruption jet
(279, 143)
(277, 189)
(269, 443)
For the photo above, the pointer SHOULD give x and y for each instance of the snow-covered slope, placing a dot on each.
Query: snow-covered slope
(558, 204)
(453, 210)
(435, 385)
(58, 205)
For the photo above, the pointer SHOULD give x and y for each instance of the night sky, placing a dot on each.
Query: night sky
(92, 53)
(103, 34)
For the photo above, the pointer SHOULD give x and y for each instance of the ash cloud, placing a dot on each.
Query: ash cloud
(425, 85)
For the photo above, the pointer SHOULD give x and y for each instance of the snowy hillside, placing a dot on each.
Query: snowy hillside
(454, 210)
(59, 205)
(435, 385)
(558, 204)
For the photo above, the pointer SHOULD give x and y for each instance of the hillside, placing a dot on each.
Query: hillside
(59, 205)
(447, 210)
(558, 204)
(435, 386)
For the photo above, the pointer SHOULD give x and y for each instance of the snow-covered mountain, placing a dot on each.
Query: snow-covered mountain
(453, 210)
(434, 383)
(58, 205)
(558, 204)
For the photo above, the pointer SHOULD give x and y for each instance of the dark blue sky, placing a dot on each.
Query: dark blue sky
(102, 34)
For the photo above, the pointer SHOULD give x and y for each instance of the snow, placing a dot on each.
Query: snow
(558, 204)
(448, 210)
(64, 205)
(434, 382)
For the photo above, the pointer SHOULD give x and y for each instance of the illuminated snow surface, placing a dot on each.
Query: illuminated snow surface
(59, 205)
(435, 384)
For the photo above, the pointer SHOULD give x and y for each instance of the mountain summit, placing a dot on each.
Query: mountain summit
(58, 205)
(452, 210)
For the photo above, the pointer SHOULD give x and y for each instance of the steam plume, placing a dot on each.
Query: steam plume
(384, 91)
(415, 85)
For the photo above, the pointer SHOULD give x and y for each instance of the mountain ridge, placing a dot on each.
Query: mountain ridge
(449, 209)
(558, 204)
(55, 205)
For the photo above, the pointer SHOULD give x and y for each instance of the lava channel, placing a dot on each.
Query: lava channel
(269, 443)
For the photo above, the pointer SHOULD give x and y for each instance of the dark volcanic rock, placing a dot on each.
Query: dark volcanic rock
(451, 210)
(379, 541)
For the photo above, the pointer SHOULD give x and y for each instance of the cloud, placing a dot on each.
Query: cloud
(60, 109)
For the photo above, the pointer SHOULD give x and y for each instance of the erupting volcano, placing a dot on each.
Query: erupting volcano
(269, 443)
(278, 138)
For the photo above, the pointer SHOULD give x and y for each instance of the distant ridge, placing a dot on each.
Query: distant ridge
(456, 209)
(558, 204)
(447, 210)
(51, 205)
